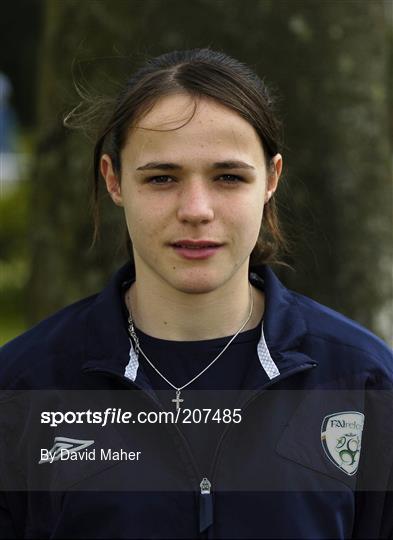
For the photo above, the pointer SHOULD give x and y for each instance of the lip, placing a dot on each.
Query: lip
(199, 249)
(196, 243)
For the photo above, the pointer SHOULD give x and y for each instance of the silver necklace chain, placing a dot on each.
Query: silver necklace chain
(177, 400)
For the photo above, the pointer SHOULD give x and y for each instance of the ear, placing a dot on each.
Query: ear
(111, 179)
(273, 176)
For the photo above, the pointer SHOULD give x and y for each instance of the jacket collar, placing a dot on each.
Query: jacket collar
(108, 345)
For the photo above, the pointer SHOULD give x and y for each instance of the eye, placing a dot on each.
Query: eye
(160, 180)
(230, 178)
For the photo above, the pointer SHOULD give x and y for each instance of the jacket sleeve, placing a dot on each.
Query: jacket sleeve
(386, 416)
(387, 517)
(13, 504)
(6, 524)
(374, 495)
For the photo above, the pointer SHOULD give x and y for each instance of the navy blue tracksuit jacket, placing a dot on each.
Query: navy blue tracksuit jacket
(311, 457)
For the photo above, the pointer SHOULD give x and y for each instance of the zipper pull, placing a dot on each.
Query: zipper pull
(205, 505)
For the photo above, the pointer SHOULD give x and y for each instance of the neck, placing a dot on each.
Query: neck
(163, 312)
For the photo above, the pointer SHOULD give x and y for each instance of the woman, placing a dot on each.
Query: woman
(246, 402)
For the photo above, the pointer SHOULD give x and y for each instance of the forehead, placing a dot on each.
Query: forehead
(172, 130)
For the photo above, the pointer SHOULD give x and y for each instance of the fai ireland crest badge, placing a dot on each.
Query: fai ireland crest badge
(341, 436)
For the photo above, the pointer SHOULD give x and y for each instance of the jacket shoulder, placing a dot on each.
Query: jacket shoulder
(343, 336)
(59, 335)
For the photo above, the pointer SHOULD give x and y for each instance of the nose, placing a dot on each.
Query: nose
(195, 203)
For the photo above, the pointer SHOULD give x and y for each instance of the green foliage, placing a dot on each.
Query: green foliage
(13, 260)
(13, 221)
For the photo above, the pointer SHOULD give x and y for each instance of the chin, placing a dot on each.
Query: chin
(197, 284)
(196, 289)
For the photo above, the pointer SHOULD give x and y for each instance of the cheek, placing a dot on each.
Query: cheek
(145, 220)
(247, 219)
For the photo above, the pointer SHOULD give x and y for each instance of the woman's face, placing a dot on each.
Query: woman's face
(193, 197)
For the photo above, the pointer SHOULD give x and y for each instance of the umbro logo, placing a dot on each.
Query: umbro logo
(62, 448)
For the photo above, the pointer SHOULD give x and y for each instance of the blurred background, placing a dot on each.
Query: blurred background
(329, 62)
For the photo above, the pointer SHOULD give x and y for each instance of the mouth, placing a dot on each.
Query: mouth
(198, 249)
(194, 246)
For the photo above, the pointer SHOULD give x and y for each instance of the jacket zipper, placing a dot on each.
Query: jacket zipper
(205, 485)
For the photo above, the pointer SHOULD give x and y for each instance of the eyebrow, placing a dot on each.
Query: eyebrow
(232, 164)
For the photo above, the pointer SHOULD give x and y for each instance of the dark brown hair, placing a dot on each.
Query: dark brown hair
(198, 72)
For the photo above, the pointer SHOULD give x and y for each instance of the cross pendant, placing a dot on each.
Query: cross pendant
(177, 400)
